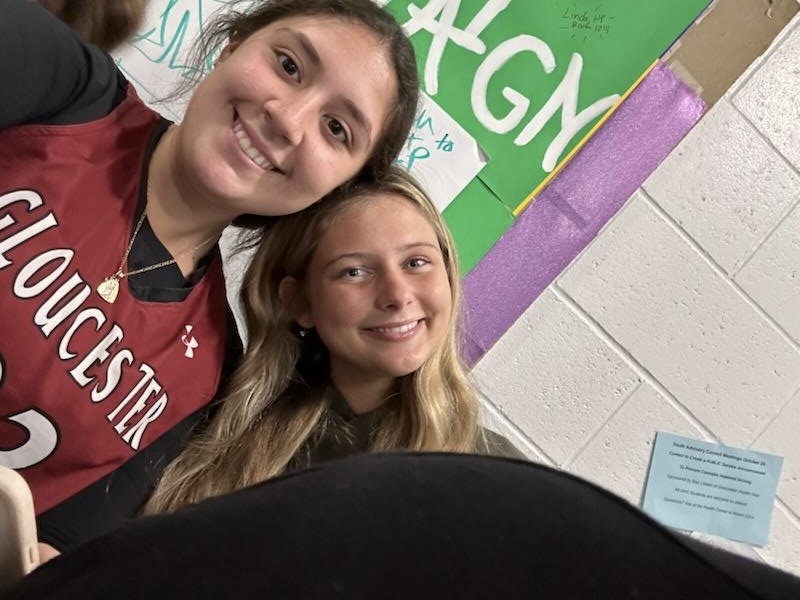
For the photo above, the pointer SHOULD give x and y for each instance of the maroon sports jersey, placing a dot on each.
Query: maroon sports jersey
(85, 384)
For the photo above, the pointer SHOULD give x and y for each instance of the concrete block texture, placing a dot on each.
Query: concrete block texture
(726, 204)
(554, 378)
(783, 549)
(683, 315)
(492, 418)
(782, 437)
(772, 275)
(651, 289)
(769, 97)
(787, 30)
(618, 457)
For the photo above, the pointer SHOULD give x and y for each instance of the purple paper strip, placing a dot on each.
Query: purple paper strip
(570, 212)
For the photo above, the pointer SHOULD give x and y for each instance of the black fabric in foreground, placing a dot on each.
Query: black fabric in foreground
(417, 526)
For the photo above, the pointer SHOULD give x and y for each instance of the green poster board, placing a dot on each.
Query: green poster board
(476, 220)
(528, 79)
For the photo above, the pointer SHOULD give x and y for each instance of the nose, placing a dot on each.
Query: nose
(290, 118)
(395, 291)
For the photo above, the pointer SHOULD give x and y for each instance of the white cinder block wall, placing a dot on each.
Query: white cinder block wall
(683, 315)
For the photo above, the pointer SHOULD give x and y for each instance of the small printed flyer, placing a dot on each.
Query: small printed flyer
(721, 490)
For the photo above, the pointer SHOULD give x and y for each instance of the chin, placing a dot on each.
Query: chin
(404, 369)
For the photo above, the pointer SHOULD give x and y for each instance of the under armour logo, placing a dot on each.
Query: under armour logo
(189, 342)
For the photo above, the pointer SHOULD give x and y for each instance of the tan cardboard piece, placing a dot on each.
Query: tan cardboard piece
(725, 40)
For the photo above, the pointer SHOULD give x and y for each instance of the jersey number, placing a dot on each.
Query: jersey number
(42, 436)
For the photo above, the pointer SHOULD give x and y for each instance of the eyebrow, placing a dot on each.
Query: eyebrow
(354, 112)
(358, 116)
(305, 42)
(366, 255)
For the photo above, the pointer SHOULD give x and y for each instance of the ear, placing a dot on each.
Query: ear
(293, 297)
(227, 51)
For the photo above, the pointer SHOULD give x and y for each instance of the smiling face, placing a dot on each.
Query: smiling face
(288, 114)
(377, 291)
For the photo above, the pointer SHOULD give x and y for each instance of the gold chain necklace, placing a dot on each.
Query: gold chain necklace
(109, 287)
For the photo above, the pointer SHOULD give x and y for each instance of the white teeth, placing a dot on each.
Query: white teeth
(401, 329)
(246, 144)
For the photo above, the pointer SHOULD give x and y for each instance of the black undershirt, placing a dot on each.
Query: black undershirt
(50, 77)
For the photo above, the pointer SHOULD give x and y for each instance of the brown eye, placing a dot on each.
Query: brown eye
(289, 66)
(337, 130)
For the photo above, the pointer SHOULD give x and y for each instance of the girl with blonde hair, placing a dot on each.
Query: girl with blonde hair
(352, 317)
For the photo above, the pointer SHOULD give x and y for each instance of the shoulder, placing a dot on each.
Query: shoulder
(494, 444)
(49, 75)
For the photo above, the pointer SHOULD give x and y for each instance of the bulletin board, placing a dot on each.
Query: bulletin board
(529, 80)
(510, 87)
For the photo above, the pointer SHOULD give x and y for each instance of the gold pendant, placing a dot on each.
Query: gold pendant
(109, 288)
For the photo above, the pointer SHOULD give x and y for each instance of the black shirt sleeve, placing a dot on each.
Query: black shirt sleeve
(48, 74)
(111, 501)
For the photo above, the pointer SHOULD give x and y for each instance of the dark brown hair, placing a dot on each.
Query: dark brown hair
(104, 23)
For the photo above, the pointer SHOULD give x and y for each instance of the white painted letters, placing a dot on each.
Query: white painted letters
(444, 30)
(496, 59)
(438, 17)
(565, 97)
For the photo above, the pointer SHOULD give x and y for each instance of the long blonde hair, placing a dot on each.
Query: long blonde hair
(274, 402)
